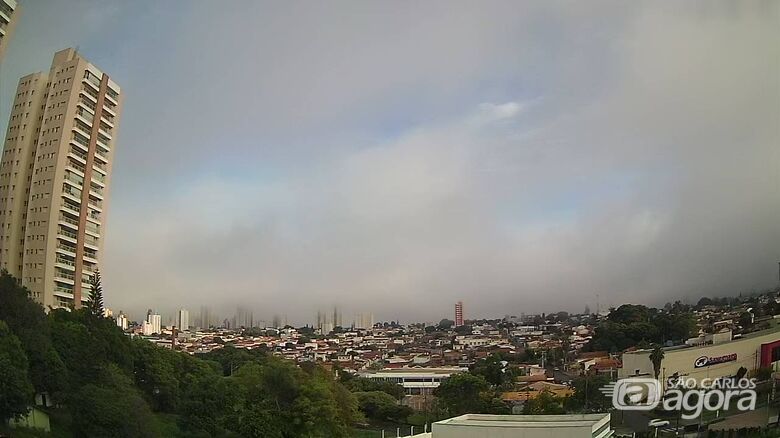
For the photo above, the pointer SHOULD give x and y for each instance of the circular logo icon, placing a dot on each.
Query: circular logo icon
(701, 362)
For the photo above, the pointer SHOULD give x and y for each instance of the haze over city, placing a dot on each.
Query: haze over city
(398, 157)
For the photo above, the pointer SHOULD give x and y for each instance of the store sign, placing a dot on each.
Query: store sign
(706, 361)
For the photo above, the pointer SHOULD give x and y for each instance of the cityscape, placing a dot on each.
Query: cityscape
(374, 220)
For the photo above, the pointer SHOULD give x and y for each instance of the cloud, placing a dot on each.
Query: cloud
(398, 158)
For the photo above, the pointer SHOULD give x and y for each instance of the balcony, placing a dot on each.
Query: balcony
(64, 261)
(67, 248)
(87, 104)
(63, 291)
(75, 165)
(89, 94)
(78, 155)
(67, 233)
(86, 116)
(94, 216)
(72, 208)
(69, 190)
(92, 80)
(63, 276)
(100, 166)
(91, 241)
(80, 140)
(75, 179)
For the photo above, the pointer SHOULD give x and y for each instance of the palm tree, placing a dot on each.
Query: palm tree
(656, 357)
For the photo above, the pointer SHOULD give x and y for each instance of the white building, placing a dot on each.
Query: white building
(121, 321)
(183, 321)
(415, 381)
(720, 358)
(156, 322)
(147, 328)
(364, 320)
(525, 426)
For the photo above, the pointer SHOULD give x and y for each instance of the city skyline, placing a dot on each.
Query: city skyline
(522, 159)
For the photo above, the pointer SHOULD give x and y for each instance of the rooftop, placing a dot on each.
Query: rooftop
(574, 420)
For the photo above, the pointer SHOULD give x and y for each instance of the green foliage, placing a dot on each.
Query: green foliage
(630, 325)
(380, 406)
(86, 345)
(544, 404)
(446, 324)
(466, 393)
(110, 406)
(361, 384)
(493, 371)
(587, 396)
(657, 357)
(16, 391)
(291, 402)
(110, 385)
(231, 358)
(208, 405)
(26, 319)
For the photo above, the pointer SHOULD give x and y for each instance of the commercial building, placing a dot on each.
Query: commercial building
(525, 426)
(458, 314)
(723, 357)
(54, 178)
(9, 12)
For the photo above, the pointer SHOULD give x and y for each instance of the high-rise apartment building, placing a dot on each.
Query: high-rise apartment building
(155, 321)
(364, 320)
(54, 178)
(458, 314)
(9, 13)
(183, 320)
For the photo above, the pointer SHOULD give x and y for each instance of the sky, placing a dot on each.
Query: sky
(397, 157)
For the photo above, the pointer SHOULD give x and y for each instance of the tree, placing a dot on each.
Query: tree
(446, 324)
(16, 391)
(657, 357)
(110, 406)
(95, 303)
(27, 321)
(544, 404)
(380, 406)
(154, 371)
(465, 393)
(493, 370)
(207, 405)
(362, 384)
(587, 395)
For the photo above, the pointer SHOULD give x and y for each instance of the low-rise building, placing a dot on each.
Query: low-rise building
(525, 426)
(756, 350)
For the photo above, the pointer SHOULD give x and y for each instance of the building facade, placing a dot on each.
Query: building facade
(183, 320)
(723, 359)
(155, 321)
(54, 178)
(458, 314)
(9, 14)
